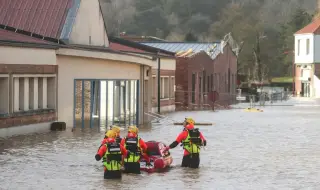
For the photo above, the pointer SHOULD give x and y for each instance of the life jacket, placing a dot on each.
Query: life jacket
(193, 141)
(118, 139)
(132, 144)
(112, 158)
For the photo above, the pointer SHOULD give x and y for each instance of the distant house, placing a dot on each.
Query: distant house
(307, 60)
(56, 65)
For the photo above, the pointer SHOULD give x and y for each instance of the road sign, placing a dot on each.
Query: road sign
(241, 98)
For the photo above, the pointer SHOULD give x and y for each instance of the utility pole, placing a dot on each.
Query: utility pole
(159, 63)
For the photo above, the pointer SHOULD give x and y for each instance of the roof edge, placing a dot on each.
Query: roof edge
(139, 46)
(104, 22)
(29, 44)
(70, 19)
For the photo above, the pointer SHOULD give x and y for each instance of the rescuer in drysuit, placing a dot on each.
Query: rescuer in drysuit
(116, 129)
(136, 148)
(191, 139)
(112, 153)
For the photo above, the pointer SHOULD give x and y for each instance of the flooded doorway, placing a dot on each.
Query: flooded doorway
(101, 103)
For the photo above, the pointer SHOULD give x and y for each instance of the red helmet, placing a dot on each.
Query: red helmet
(190, 127)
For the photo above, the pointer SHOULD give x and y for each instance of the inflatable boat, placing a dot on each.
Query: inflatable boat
(159, 158)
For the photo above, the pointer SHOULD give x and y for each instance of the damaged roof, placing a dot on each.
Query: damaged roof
(188, 48)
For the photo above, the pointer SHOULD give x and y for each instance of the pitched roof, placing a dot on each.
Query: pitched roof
(120, 47)
(138, 46)
(13, 36)
(44, 17)
(211, 48)
(312, 28)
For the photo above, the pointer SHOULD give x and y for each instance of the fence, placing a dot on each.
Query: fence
(191, 100)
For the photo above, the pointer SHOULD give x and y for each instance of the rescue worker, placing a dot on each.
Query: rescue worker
(136, 148)
(191, 139)
(116, 129)
(112, 153)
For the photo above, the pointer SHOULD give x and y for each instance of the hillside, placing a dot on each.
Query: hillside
(209, 20)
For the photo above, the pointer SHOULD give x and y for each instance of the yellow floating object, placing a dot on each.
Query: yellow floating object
(195, 124)
(253, 110)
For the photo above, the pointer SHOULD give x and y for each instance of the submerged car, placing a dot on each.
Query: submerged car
(159, 158)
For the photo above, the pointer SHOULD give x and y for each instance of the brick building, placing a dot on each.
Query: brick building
(205, 73)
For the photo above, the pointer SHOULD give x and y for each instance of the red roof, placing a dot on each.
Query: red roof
(44, 17)
(120, 47)
(12, 36)
(312, 28)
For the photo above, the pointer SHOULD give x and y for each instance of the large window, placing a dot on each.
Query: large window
(34, 92)
(105, 102)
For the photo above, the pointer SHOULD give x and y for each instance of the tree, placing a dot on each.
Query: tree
(190, 38)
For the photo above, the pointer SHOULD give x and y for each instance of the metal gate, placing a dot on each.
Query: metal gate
(101, 103)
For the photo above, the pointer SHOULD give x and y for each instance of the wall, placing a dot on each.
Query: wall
(316, 48)
(89, 28)
(167, 71)
(303, 57)
(27, 56)
(317, 80)
(166, 64)
(71, 68)
(297, 83)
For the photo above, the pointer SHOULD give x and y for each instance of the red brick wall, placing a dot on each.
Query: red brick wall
(12, 121)
(225, 85)
(185, 67)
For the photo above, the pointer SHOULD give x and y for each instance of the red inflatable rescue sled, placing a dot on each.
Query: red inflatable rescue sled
(159, 158)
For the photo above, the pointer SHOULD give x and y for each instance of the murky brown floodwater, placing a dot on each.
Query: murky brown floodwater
(277, 149)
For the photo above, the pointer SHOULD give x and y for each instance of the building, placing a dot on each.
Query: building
(202, 69)
(56, 65)
(307, 60)
(167, 61)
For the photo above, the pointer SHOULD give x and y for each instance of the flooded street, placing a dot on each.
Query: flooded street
(276, 149)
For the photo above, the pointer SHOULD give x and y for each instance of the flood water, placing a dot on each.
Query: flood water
(276, 149)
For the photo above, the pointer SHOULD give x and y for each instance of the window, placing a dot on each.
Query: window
(4, 94)
(208, 84)
(211, 83)
(204, 81)
(32, 92)
(154, 87)
(172, 85)
(200, 90)
(164, 87)
(229, 80)
(193, 87)
(298, 47)
(308, 46)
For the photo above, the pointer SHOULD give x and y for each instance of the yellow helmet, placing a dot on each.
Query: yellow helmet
(133, 129)
(189, 120)
(111, 134)
(116, 129)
